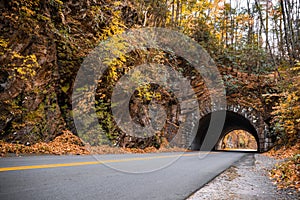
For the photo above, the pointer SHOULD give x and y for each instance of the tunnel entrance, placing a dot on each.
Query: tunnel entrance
(233, 122)
(237, 140)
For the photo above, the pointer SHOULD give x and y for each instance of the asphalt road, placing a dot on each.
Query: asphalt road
(130, 176)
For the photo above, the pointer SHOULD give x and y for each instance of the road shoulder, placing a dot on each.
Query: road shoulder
(247, 179)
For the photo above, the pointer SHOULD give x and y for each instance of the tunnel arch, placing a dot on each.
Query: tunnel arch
(233, 121)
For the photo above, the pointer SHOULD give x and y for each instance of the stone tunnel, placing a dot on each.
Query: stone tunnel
(236, 118)
(246, 110)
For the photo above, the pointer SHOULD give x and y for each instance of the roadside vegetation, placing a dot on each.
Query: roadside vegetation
(69, 144)
(287, 126)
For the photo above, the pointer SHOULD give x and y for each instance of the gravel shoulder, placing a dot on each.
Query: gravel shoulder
(247, 179)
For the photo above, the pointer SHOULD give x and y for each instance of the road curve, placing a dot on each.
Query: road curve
(128, 176)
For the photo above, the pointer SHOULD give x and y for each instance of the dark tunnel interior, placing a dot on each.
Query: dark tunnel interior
(233, 121)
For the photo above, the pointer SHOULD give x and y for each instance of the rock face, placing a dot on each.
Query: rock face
(42, 45)
(29, 106)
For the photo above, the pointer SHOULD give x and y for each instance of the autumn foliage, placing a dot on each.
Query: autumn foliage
(287, 126)
(287, 172)
(287, 112)
(67, 143)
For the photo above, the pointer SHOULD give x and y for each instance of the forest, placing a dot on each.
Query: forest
(43, 43)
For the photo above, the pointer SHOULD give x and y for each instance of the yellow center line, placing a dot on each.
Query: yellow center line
(3, 169)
